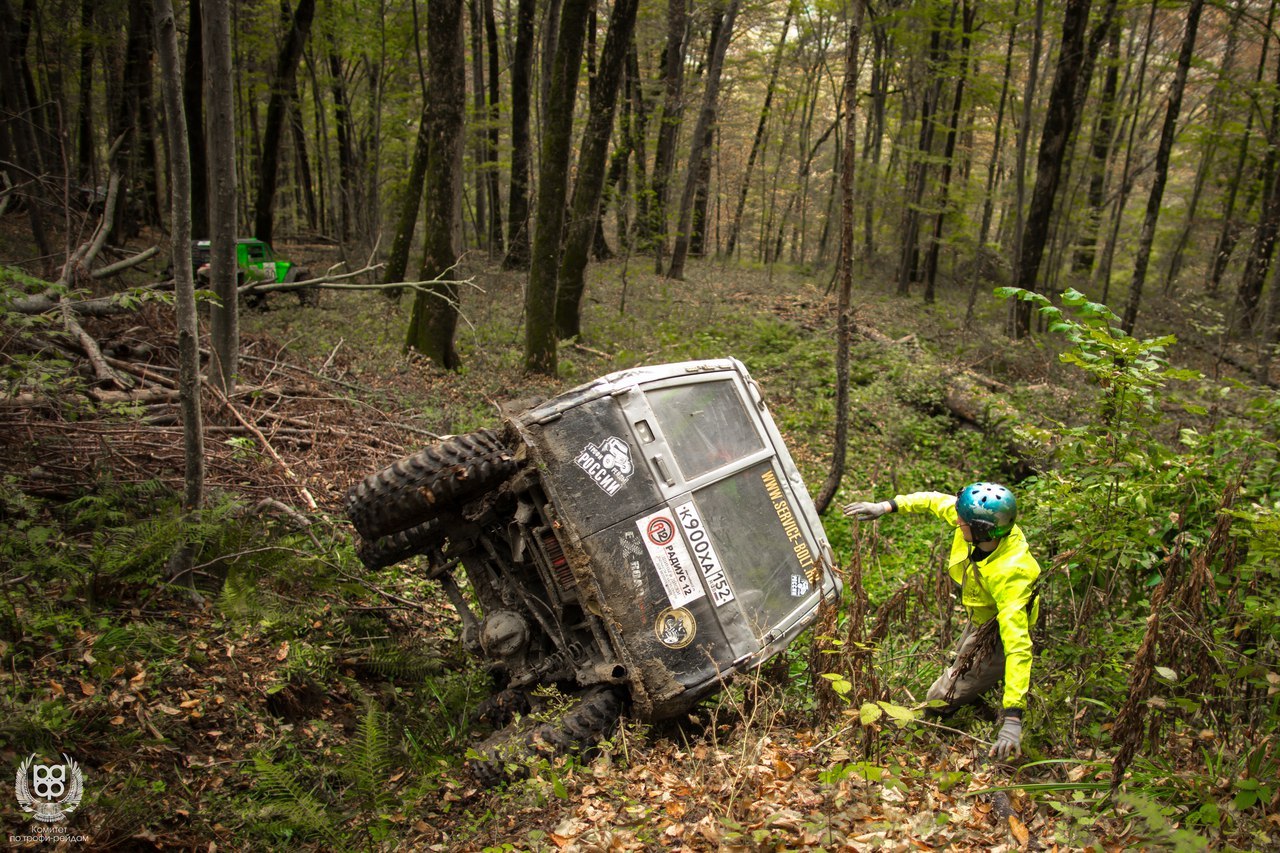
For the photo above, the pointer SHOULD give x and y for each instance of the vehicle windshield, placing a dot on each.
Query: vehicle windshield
(705, 424)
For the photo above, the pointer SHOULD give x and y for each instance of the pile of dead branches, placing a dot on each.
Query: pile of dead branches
(288, 432)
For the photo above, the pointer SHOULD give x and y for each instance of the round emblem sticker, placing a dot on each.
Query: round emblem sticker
(661, 531)
(675, 627)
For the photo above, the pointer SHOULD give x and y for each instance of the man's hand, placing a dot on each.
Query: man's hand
(1009, 741)
(867, 511)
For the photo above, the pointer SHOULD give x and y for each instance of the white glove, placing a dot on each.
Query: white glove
(867, 511)
(1009, 741)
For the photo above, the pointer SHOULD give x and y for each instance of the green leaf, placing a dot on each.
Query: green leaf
(869, 713)
(899, 713)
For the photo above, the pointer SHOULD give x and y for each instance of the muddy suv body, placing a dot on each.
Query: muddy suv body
(638, 540)
(258, 264)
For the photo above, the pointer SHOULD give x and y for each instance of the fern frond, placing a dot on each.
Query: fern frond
(299, 807)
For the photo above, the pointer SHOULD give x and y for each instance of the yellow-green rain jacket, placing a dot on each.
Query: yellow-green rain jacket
(999, 586)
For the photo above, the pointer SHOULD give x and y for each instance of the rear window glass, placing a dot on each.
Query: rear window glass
(759, 539)
(705, 424)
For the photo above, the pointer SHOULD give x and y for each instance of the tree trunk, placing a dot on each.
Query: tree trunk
(193, 108)
(1163, 152)
(949, 154)
(346, 146)
(763, 122)
(21, 134)
(282, 88)
(305, 184)
(553, 176)
(131, 119)
(84, 115)
(844, 313)
(479, 133)
(184, 284)
(1209, 154)
(1231, 227)
(1024, 133)
(918, 172)
(494, 117)
(668, 126)
(594, 148)
(518, 251)
(407, 220)
(1127, 172)
(1100, 155)
(1258, 264)
(435, 309)
(1060, 122)
(711, 91)
(220, 130)
(639, 133)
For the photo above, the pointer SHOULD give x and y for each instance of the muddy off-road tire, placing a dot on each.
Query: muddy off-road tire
(389, 550)
(420, 487)
(507, 754)
(308, 297)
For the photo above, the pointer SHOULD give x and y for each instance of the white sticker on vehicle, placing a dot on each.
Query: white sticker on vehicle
(704, 554)
(799, 586)
(670, 557)
(608, 464)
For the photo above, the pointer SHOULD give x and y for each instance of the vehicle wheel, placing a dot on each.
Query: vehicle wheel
(389, 550)
(308, 297)
(507, 754)
(422, 486)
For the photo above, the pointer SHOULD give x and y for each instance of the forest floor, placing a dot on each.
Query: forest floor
(299, 701)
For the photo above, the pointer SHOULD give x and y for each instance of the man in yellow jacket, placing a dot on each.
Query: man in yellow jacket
(997, 574)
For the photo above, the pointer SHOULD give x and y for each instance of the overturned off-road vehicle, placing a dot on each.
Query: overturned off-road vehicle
(633, 542)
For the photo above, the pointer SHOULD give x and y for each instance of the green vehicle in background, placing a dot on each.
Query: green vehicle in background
(258, 264)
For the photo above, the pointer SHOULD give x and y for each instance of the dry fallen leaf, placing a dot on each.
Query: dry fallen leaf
(1019, 830)
(86, 688)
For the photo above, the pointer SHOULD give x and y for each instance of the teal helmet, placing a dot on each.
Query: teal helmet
(988, 508)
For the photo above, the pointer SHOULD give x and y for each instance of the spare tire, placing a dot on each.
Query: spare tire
(421, 487)
(507, 753)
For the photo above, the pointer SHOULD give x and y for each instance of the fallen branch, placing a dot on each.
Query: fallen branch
(91, 350)
(127, 263)
(271, 451)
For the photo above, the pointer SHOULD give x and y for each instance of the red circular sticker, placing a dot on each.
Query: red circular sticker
(661, 531)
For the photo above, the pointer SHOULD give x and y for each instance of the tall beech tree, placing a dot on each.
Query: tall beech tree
(193, 120)
(706, 118)
(518, 249)
(844, 312)
(553, 174)
(591, 170)
(220, 133)
(756, 142)
(1161, 176)
(282, 92)
(668, 126)
(1059, 124)
(434, 319)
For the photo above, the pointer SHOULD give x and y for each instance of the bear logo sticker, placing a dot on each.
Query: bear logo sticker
(608, 464)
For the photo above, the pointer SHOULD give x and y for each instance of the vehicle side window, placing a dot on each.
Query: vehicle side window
(706, 425)
(257, 253)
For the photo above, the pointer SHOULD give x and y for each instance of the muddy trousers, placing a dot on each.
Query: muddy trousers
(984, 672)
